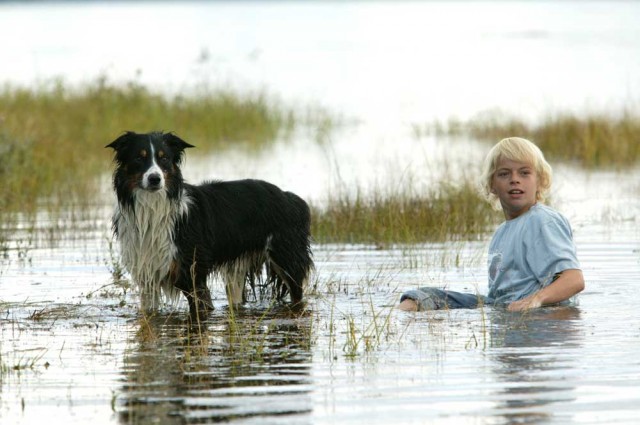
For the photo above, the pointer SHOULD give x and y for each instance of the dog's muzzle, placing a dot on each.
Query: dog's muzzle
(153, 182)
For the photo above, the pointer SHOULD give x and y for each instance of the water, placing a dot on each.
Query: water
(74, 348)
(348, 357)
(386, 62)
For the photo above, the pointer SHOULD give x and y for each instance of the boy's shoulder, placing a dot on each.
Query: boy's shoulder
(545, 212)
(537, 216)
(541, 215)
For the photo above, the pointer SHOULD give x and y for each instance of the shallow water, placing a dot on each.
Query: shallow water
(74, 345)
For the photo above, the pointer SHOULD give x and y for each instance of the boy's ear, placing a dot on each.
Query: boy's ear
(121, 141)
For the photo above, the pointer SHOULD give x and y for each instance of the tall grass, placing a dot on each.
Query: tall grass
(443, 212)
(52, 137)
(592, 140)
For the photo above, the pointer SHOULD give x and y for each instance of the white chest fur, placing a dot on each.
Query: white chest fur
(146, 236)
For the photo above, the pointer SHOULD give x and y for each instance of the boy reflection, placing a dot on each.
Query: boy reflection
(533, 353)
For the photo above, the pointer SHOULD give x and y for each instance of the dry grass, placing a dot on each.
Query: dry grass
(52, 138)
(591, 140)
(445, 212)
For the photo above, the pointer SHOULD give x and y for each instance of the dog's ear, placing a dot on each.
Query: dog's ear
(176, 143)
(121, 141)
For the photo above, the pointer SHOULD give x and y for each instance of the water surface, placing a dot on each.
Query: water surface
(75, 346)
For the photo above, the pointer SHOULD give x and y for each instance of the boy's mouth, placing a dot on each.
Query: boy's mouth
(516, 192)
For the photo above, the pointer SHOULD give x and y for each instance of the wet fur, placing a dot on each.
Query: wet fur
(174, 235)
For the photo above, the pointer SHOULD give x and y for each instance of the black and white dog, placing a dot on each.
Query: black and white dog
(173, 235)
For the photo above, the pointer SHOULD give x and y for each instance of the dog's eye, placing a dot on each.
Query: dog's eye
(164, 160)
(139, 160)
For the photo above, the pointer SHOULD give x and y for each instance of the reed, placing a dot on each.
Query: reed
(442, 213)
(15, 365)
(593, 140)
(52, 137)
(366, 333)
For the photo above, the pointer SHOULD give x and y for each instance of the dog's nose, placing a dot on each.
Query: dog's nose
(154, 179)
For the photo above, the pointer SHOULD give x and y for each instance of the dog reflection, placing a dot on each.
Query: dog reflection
(246, 363)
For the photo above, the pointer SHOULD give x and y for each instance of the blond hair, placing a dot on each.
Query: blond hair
(519, 150)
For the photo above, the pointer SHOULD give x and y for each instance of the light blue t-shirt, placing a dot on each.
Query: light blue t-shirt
(526, 253)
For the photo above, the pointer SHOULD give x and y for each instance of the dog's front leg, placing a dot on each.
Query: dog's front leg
(199, 299)
(194, 288)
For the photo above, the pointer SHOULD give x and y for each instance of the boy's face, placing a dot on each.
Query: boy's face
(515, 184)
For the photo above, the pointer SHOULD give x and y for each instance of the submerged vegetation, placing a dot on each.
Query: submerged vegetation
(593, 140)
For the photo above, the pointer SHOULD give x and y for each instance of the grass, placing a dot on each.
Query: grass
(52, 137)
(593, 140)
(367, 332)
(52, 142)
(440, 213)
(25, 362)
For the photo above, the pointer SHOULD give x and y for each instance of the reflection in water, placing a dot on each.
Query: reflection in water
(532, 352)
(252, 365)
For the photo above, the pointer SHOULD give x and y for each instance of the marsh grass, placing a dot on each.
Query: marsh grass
(363, 326)
(247, 339)
(366, 333)
(360, 334)
(52, 137)
(439, 213)
(24, 360)
(593, 140)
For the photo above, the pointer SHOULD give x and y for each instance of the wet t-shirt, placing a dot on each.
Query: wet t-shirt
(526, 253)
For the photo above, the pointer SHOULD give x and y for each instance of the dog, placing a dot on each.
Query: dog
(174, 235)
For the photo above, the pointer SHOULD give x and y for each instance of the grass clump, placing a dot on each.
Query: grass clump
(593, 140)
(442, 213)
(52, 137)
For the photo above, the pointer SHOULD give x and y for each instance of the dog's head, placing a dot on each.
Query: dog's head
(147, 161)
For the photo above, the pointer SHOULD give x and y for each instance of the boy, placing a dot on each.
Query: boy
(532, 257)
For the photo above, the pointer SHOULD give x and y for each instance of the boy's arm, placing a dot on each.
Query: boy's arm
(569, 283)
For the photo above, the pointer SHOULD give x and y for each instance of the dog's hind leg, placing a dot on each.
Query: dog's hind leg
(286, 283)
(292, 263)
